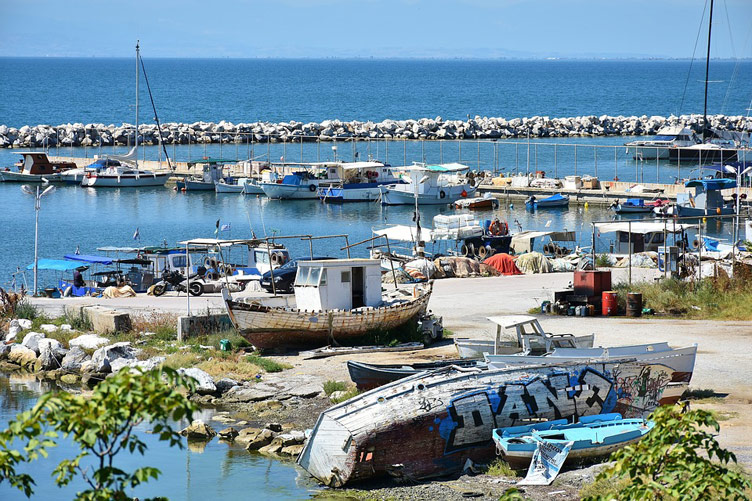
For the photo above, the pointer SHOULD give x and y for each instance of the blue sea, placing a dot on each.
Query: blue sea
(58, 91)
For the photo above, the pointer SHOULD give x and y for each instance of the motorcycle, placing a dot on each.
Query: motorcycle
(175, 280)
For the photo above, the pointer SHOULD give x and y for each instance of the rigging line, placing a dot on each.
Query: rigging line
(156, 117)
(691, 62)
(733, 54)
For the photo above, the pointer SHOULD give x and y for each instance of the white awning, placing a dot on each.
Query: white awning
(643, 227)
(436, 168)
(404, 233)
(362, 165)
(212, 242)
(559, 236)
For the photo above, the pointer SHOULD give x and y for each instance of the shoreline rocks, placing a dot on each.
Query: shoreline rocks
(96, 135)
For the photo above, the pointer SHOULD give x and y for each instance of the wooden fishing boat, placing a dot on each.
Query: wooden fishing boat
(338, 300)
(484, 202)
(369, 376)
(593, 436)
(431, 423)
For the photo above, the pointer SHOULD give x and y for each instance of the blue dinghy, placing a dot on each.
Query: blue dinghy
(593, 436)
(557, 200)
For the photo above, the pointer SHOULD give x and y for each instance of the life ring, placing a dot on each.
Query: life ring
(482, 253)
(463, 194)
(278, 258)
(464, 250)
(311, 188)
(442, 194)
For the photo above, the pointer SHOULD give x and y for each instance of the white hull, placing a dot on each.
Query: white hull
(19, 177)
(127, 181)
(476, 348)
(403, 195)
(649, 153)
(369, 194)
(681, 360)
(251, 188)
(290, 191)
(228, 188)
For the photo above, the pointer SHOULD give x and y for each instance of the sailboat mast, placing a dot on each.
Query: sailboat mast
(137, 79)
(707, 75)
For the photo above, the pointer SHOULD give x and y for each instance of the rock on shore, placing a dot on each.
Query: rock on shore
(97, 134)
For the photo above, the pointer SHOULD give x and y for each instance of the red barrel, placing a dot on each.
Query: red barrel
(610, 306)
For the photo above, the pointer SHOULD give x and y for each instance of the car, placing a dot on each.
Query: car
(284, 276)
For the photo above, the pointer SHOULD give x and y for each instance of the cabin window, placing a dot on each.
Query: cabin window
(313, 277)
(323, 277)
(624, 237)
(179, 261)
(657, 238)
(261, 257)
(345, 277)
(302, 277)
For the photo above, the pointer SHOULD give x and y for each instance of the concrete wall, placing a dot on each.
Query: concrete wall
(202, 324)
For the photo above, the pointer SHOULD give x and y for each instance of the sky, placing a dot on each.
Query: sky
(374, 28)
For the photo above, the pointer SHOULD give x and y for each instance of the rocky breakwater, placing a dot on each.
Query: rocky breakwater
(96, 135)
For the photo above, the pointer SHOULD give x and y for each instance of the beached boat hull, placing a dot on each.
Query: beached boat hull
(126, 181)
(273, 327)
(396, 196)
(594, 437)
(430, 424)
(370, 376)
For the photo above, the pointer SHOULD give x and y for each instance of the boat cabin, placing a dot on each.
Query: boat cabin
(524, 241)
(37, 163)
(707, 194)
(342, 284)
(640, 236)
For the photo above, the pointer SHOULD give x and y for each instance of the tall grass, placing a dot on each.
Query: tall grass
(718, 298)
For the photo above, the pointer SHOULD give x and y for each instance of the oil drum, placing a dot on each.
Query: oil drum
(634, 304)
(609, 304)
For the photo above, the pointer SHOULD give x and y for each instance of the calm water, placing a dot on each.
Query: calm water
(191, 473)
(57, 91)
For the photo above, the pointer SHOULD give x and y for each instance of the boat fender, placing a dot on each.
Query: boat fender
(442, 194)
(277, 257)
(311, 188)
(695, 243)
(463, 194)
(482, 252)
(464, 250)
(490, 251)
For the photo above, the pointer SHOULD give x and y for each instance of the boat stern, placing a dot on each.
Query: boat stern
(329, 454)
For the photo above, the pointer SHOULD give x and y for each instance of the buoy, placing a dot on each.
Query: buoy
(704, 220)
(586, 205)
(511, 206)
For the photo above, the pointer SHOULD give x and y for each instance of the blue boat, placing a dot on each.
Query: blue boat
(593, 436)
(557, 200)
(707, 199)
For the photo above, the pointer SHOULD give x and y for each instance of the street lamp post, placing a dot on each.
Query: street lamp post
(37, 205)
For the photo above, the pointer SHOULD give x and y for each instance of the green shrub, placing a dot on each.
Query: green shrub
(267, 364)
(332, 386)
(24, 309)
(352, 392)
(77, 320)
(500, 468)
(679, 459)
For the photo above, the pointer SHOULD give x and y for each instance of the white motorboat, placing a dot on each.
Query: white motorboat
(225, 186)
(303, 184)
(529, 337)
(657, 147)
(250, 186)
(429, 185)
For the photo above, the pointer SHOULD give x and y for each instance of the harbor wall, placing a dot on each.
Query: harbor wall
(93, 135)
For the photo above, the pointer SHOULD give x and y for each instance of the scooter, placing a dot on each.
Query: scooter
(176, 280)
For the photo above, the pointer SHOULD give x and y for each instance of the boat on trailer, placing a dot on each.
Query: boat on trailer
(430, 424)
(594, 436)
(337, 301)
(529, 337)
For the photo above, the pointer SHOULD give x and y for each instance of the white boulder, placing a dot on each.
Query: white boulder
(88, 341)
(24, 323)
(31, 341)
(204, 382)
(48, 328)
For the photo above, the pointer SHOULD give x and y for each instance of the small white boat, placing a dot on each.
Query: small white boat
(223, 186)
(35, 166)
(123, 177)
(429, 185)
(529, 337)
(250, 186)
(361, 182)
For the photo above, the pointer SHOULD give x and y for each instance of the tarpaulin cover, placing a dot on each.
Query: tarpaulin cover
(89, 259)
(533, 262)
(503, 263)
(55, 264)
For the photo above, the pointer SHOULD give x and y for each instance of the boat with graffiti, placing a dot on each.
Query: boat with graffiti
(447, 416)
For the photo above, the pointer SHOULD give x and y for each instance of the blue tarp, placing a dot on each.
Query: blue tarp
(711, 184)
(89, 259)
(553, 198)
(55, 264)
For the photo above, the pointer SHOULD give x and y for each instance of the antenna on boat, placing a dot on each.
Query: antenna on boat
(137, 80)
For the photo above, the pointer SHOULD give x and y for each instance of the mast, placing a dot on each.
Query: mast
(707, 75)
(137, 79)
